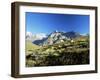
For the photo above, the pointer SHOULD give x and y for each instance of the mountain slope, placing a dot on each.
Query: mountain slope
(72, 34)
(54, 38)
(30, 47)
(31, 37)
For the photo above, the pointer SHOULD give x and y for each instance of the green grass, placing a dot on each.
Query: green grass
(30, 47)
(65, 53)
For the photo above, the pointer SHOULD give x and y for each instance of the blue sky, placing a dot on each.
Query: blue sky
(47, 23)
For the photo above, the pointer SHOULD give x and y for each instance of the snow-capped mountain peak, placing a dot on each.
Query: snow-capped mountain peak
(29, 35)
(33, 37)
(40, 36)
(53, 38)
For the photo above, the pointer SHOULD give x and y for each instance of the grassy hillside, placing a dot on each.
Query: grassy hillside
(65, 53)
(30, 47)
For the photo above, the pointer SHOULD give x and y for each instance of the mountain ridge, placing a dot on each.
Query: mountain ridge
(56, 37)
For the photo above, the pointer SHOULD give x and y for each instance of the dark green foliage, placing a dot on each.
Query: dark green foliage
(64, 58)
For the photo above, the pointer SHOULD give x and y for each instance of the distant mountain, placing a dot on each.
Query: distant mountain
(31, 37)
(53, 38)
(72, 34)
(39, 42)
(39, 36)
(57, 37)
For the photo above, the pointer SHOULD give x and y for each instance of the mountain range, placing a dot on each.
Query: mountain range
(31, 37)
(52, 38)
